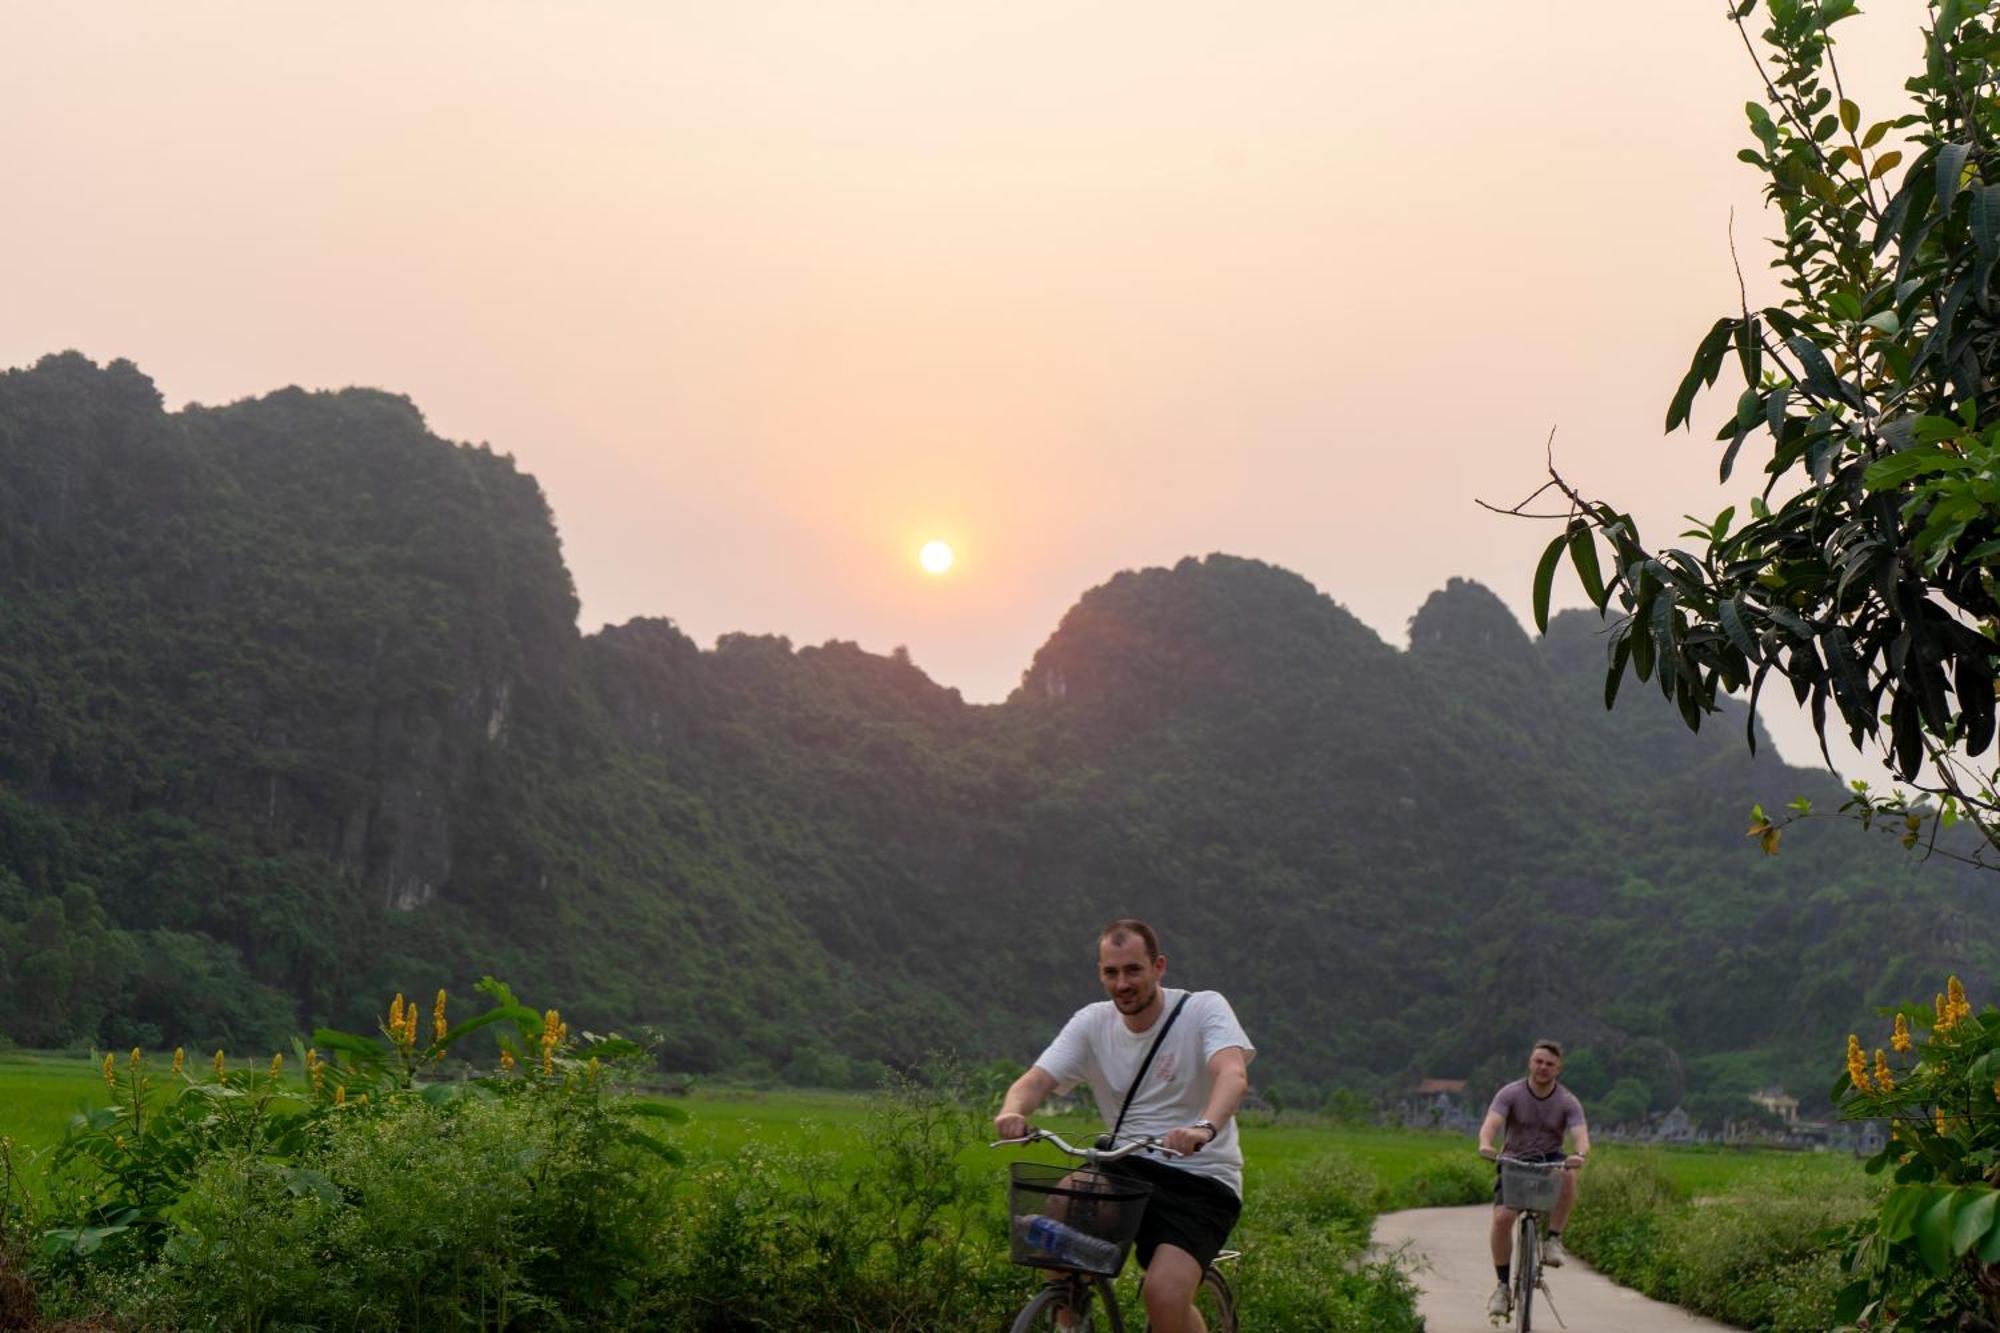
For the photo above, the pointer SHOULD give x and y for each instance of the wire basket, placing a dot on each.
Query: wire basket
(1074, 1218)
(1530, 1186)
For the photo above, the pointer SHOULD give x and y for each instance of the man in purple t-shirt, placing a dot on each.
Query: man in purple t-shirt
(1533, 1114)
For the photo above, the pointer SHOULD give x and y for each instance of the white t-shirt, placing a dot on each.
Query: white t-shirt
(1096, 1047)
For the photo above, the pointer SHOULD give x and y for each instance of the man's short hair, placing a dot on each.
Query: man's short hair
(1124, 926)
(1552, 1047)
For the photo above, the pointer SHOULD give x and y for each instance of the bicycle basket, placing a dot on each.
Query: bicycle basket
(1104, 1209)
(1530, 1185)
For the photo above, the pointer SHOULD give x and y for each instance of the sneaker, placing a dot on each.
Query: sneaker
(1502, 1303)
(1553, 1253)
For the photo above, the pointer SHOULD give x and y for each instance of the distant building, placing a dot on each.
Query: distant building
(1778, 1102)
(1440, 1104)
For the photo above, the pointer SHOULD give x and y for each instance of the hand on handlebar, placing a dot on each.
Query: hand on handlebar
(1186, 1140)
(1010, 1126)
(1490, 1154)
(1574, 1162)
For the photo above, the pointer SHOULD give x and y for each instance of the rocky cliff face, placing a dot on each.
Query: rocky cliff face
(301, 618)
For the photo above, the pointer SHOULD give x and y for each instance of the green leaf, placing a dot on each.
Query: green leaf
(1933, 1231)
(1818, 370)
(1702, 370)
(1850, 116)
(1950, 173)
(1898, 1218)
(518, 1013)
(656, 1110)
(331, 1039)
(1545, 575)
(1973, 1220)
(1886, 164)
(1986, 219)
(664, 1151)
(1583, 555)
(1731, 614)
(1886, 474)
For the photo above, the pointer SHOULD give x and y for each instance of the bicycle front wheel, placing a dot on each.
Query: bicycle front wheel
(1052, 1311)
(1527, 1272)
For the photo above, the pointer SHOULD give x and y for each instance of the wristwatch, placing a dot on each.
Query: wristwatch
(1209, 1125)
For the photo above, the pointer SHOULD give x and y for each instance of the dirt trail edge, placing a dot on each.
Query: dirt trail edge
(1455, 1274)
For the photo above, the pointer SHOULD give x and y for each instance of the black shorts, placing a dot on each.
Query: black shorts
(1191, 1212)
(1545, 1157)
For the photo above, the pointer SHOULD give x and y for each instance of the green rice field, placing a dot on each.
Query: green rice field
(40, 1092)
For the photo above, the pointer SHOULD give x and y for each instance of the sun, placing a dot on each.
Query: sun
(936, 557)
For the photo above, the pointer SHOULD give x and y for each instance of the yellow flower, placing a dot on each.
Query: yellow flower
(594, 1068)
(1937, 1118)
(218, 1062)
(1885, 1078)
(1900, 1039)
(135, 1057)
(180, 1058)
(277, 1063)
(410, 1026)
(506, 1061)
(1857, 1064)
(362, 1100)
(110, 1072)
(340, 1095)
(438, 1028)
(316, 1071)
(118, 1142)
(1954, 997)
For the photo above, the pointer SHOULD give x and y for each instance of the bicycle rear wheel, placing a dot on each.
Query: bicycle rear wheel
(1216, 1301)
(1051, 1311)
(1527, 1271)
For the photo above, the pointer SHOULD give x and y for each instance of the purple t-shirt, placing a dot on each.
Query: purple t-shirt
(1536, 1125)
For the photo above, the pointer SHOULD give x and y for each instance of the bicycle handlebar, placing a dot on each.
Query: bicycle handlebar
(1129, 1147)
(1578, 1158)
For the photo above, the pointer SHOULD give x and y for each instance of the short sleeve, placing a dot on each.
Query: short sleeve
(1573, 1114)
(1067, 1059)
(1503, 1102)
(1220, 1030)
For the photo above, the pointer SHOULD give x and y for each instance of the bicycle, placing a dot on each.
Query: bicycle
(1530, 1189)
(1104, 1208)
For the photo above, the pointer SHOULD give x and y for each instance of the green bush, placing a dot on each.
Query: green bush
(1444, 1181)
(1767, 1258)
(1306, 1263)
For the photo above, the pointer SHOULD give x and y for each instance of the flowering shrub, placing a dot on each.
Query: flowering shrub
(371, 1183)
(1932, 1252)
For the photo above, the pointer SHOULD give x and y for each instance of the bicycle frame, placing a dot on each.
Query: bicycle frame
(1528, 1278)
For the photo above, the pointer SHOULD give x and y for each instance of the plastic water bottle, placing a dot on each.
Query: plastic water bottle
(1065, 1245)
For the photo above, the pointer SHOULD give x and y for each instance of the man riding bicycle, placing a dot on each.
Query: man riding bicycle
(1196, 1071)
(1534, 1113)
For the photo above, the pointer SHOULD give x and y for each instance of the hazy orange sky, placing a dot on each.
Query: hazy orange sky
(767, 295)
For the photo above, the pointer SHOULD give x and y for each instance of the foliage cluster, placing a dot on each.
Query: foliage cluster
(1765, 1257)
(1863, 574)
(1932, 1251)
(362, 1189)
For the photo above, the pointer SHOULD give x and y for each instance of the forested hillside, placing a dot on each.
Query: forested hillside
(294, 713)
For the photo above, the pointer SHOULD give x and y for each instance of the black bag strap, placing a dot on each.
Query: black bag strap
(1151, 1051)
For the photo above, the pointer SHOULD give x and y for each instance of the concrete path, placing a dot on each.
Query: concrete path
(1456, 1274)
